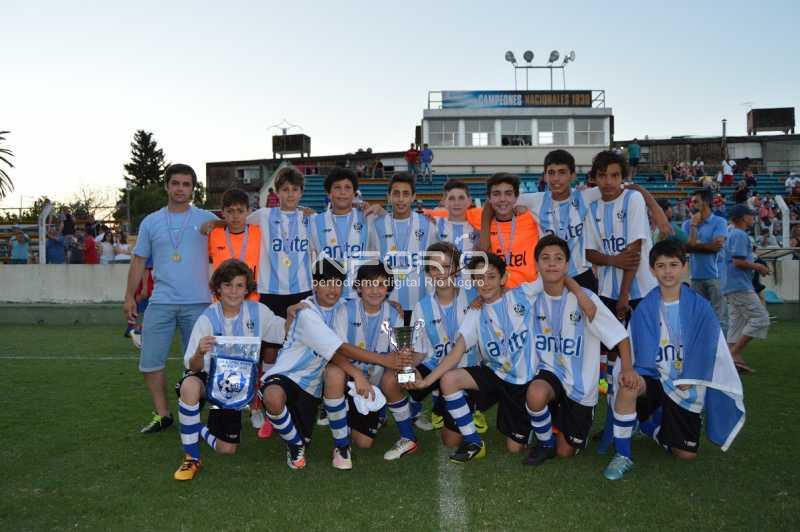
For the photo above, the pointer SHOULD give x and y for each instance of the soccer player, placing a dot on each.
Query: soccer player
(567, 342)
(231, 315)
(238, 239)
(341, 232)
(399, 238)
(748, 317)
(359, 322)
(501, 331)
(707, 233)
(442, 312)
(456, 227)
(291, 389)
(681, 367)
(511, 236)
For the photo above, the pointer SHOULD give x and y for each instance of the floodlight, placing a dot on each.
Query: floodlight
(572, 55)
(510, 57)
(528, 55)
(553, 56)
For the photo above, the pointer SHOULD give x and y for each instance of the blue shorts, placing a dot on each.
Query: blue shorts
(160, 321)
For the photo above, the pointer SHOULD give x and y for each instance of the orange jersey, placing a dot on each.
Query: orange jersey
(521, 266)
(219, 252)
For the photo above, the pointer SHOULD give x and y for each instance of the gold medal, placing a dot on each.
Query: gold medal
(333, 241)
(677, 365)
(392, 248)
(287, 262)
(176, 257)
(506, 366)
(560, 361)
(362, 345)
(445, 339)
(401, 276)
(499, 334)
(546, 330)
(664, 342)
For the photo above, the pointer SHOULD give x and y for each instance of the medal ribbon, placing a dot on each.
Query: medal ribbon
(177, 244)
(244, 242)
(507, 254)
(341, 235)
(370, 336)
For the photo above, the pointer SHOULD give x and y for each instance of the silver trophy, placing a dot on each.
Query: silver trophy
(401, 338)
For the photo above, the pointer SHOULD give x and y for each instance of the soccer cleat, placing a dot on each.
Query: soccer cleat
(437, 421)
(136, 338)
(618, 467)
(468, 451)
(401, 447)
(341, 458)
(322, 420)
(479, 420)
(423, 423)
(266, 430)
(188, 469)
(538, 455)
(157, 424)
(296, 456)
(257, 418)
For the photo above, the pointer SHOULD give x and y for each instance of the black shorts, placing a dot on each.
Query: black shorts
(367, 425)
(680, 428)
(438, 406)
(571, 418)
(278, 303)
(588, 280)
(611, 304)
(633, 162)
(512, 418)
(224, 423)
(302, 406)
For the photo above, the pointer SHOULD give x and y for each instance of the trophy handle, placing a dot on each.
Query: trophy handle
(387, 329)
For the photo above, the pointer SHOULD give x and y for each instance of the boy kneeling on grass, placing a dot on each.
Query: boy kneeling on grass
(234, 316)
(681, 367)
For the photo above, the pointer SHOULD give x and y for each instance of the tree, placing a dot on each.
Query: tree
(147, 161)
(6, 185)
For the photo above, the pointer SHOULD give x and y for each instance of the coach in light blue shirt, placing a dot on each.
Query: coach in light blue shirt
(707, 233)
(179, 252)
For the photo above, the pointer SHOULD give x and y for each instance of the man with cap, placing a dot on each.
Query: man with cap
(748, 317)
(19, 244)
(791, 183)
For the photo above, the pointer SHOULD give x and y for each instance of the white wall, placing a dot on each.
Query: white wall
(787, 275)
(505, 158)
(63, 283)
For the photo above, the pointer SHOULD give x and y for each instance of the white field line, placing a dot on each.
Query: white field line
(452, 507)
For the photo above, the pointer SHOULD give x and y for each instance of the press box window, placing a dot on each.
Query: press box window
(515, 133)
(553, 131)
(590, 131)
(248, 175)
(480, 132)
(442, 132)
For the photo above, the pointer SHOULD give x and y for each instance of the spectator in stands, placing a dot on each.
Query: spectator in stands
(767, 239)
(792, 184)
(272, 198)
(426, 156)
(360, 169)
(734, 166)
(707, 234)
(412, 156)
(741, 193)
(685, 169)
(749, 178)
(767, 211)
(718, 206)
(20, 246)
(106, 246)
(377, 173)
(680, 211)
(55, 252)
(67, 228)
(678, 232)
(699, 167)
(727, 173)
(676, 171)
(90, 255)
(667, 172)
(122, 253)
(75, 249)
(754, 202)
(634, 153)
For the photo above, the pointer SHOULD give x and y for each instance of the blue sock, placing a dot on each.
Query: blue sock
(285, 426)
(651, 426)
(542, 426)
(210, 439)
(416, 407)
(459, 410)
(337, 419)
(189, 419)
(401, 412)
(623, 429)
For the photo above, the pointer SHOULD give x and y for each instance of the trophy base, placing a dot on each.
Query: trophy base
(404, 378)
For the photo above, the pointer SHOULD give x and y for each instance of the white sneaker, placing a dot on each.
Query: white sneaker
(341, 459)
(423, 423)
(401, 447)
(257, 418)
(136, 338)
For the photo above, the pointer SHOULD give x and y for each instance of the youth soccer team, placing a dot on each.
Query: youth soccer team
(522, 303)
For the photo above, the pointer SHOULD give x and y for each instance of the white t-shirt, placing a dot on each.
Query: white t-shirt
(310, 345)
(566, 219)
(271, 327)
(614, 225)
(726, 168)
(284, 266)
(574, 355)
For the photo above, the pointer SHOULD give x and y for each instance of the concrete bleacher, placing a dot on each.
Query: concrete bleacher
(374, 190)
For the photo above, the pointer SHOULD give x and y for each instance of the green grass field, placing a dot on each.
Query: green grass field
(71, 457)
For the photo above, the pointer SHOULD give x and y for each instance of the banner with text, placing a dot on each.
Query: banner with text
(506, 99)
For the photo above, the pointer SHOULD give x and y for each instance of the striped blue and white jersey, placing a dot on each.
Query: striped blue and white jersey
(613, 225)
(400, 244)
(285, 262)
(344, 238)
(565, 219)
(669, 361)
(441, 328)
(310, 345)
(501, 331)
(568, 345)
(461, 234)
(355, 326)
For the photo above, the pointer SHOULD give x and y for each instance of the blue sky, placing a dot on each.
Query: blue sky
(209, 78)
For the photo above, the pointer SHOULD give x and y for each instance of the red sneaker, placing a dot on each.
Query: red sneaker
(266, 430)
